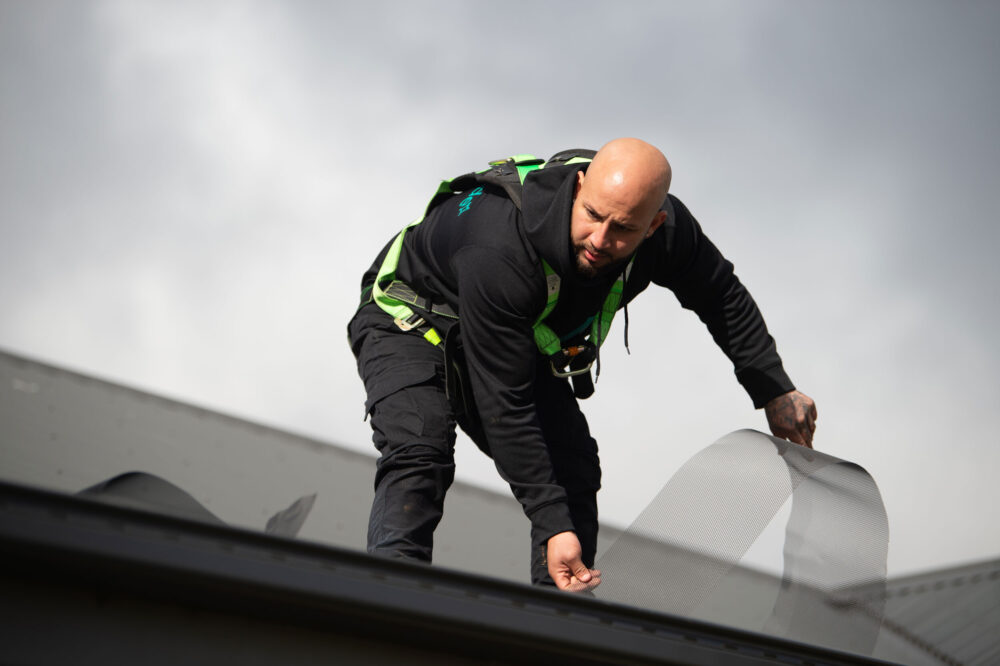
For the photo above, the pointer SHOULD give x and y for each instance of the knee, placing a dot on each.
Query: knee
(417, 464)
(417, 456)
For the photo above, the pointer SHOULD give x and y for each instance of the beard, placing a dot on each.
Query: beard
(589, 271)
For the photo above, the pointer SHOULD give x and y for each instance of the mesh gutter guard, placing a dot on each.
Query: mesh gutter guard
(711, 511)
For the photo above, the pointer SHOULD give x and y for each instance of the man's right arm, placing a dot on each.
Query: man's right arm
(497, 304)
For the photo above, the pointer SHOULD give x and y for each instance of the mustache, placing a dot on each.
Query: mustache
(599, 254)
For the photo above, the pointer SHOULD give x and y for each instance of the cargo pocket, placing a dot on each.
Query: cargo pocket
(395, 379)
(410, 413)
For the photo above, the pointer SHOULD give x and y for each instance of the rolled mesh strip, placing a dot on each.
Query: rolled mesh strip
(678, 554)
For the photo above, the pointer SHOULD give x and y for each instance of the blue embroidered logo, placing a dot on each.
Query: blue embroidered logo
(467, 201)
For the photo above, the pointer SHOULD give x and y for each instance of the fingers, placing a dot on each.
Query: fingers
(802, 434)
(571, 583)
(576, 585)
(810, 420)
(576, 577)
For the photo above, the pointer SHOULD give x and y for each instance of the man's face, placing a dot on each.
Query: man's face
(607, 225)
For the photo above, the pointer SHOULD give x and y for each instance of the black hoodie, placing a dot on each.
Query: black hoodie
(481, 255)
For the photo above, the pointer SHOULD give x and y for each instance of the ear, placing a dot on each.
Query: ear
(579, 183)
(659, 219)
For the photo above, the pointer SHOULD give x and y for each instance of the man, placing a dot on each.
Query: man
(584, 241)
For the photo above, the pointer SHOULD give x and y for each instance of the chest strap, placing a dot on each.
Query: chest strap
(549, 343)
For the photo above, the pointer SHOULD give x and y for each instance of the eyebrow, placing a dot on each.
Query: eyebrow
(593, 211)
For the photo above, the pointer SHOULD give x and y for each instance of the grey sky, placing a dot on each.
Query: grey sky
(189, 193)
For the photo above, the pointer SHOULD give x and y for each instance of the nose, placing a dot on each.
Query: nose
(599, 237)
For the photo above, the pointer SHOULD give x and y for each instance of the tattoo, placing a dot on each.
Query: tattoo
(792, 416)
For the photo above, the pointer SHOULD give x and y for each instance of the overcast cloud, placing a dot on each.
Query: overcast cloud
(189, 193)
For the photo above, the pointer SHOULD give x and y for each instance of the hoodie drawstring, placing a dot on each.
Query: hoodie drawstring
(627, 350)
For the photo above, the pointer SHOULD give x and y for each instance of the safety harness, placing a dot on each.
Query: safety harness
(398, 299)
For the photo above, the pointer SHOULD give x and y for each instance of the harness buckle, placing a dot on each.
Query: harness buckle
(571, 372)
(410, 323)
(576, 359)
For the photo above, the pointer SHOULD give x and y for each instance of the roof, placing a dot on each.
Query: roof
(950, 615)
(63, 432)
(68, 431)
(91, 582)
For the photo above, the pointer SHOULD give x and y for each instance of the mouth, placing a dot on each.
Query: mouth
(591, 262)
(592, 256)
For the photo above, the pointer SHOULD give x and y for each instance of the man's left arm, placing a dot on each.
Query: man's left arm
(703, 281)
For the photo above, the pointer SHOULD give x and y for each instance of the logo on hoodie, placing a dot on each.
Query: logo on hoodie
(467, 201)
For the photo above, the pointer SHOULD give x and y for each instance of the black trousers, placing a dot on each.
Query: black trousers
(413, 426)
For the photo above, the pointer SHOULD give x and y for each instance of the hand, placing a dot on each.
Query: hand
(792, 416)
(566, 566)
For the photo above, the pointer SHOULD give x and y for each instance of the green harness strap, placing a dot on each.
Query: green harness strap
(392, 299)
(547, 340)
(396, 297)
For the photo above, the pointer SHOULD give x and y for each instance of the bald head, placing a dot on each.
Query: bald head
(617, 203)
(633, 173)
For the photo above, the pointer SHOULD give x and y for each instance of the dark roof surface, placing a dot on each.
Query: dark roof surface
(86, 580)
(64, 431)
(67, 431)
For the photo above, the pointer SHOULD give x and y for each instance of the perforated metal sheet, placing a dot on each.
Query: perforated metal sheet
(693, 534)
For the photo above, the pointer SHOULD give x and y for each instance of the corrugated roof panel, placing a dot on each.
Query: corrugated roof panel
(956, 610)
